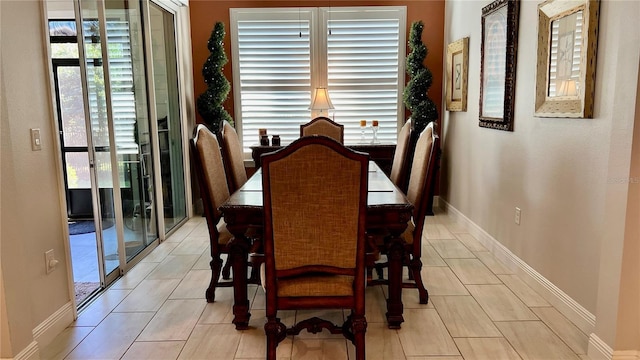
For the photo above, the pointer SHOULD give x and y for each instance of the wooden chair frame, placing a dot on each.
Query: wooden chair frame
(211, 213)
(355, 327)
(413, 251)
(236, 172)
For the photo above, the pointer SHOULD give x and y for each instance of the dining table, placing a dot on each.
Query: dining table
(388, 212)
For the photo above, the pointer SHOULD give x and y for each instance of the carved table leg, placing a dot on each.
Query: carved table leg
(395, 254)
(238, 252)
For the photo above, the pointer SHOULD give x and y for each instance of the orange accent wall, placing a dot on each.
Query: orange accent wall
(204, 14)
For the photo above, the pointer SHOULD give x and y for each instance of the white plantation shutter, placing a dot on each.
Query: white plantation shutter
(576, 53)
(365, 68)
(272, 72)
(280, 55)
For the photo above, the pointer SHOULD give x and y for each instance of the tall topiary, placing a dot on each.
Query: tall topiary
(209, 103)
(423, 109)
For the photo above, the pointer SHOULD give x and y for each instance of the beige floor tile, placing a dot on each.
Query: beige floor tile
(436, 231)
(382, 343)
(206, 342)
(430, 256)
(173, 267)
(376, 305)
(423, 333)
(253, 342)
(528, 296)
(193, 286)
(148, 296)
(112, 338)
(562, 327)
(534, 341)
(183, 231)
(435, 358)
(160, 253)
(203, 261)
(500, 303)
(486, 348)
(131, 279)
(493, 264)
(470, 242)
(154, 350)
(319, 349)
(442, 281)
(472, 271)
(260, 299)
(451, 249)
(411, 300)
(100, 307)
(463, 317)
(65, 342)
(192, 245)
(174, 321)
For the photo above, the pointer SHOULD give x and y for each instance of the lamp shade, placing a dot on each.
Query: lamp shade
(320, 100)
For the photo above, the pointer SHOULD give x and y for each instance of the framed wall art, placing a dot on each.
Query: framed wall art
(498, 64)
(457, 70)
(566, 59)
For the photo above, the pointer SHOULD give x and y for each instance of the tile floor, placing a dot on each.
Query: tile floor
(478, 309)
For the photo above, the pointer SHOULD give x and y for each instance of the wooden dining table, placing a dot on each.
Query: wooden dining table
(388, 211)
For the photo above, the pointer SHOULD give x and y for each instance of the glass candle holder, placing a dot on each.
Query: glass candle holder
(374, 127)
(363, 126)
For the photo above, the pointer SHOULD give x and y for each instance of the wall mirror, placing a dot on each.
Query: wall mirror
(498, 64)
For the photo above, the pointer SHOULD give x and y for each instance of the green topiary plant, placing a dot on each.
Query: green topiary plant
(423, 109)
(209, 103)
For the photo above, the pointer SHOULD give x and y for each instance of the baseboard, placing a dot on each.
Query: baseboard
(44, 333)
(31, 352)
(626, 355)
(597, 349)
(575, 312)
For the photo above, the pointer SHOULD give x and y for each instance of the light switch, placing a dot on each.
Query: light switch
(36, 143)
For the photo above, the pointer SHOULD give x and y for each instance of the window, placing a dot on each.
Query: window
(280, 55)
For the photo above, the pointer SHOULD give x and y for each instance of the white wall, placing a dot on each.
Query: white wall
(559, 171)
(31, 217)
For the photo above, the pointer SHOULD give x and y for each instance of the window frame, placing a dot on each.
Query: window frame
(318, 24)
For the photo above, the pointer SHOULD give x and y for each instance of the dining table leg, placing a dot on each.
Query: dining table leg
(238, 253)
(395, 255)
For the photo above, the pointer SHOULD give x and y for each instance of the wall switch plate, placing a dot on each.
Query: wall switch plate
(50, 261)
(36, 142)
(518, 214)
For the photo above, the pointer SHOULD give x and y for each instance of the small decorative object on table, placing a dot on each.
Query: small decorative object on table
(264, 140)
(374, 127)
(275, 140)
(363, 126)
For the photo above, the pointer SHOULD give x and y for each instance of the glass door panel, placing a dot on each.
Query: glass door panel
(168, 113)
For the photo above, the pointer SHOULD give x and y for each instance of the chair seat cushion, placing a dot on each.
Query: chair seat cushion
(223, 233)
(316, 285)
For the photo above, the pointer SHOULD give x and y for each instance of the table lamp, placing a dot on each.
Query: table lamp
(320, 101)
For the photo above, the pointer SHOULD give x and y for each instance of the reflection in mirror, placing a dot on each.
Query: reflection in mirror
(564, 62)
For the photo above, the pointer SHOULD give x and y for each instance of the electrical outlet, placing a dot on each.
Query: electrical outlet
(518, 214)
(50, 261)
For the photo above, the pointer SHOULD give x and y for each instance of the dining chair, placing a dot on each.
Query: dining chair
(323, 126)
(315, 198)
(421, 185)
(233, 156)
(214, 192)
(401, 158)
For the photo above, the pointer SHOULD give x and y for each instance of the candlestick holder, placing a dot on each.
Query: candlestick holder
(363, 126)
(374, 127)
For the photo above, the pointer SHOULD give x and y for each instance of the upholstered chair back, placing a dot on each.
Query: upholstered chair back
(323, 126)
(400, 166)
(233, 156)
(211, 169)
